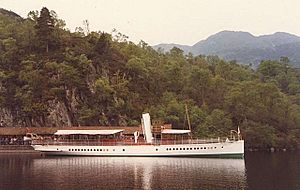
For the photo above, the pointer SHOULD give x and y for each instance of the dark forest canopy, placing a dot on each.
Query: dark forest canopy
(50, 76)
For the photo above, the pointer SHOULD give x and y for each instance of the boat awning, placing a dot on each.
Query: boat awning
(175, 131)
(87, 132)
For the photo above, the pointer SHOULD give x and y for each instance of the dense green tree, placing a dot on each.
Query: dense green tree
(198, 84)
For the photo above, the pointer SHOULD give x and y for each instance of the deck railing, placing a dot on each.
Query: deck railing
(113, 142)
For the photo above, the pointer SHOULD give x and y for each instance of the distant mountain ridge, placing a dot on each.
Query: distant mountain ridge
(244, 47)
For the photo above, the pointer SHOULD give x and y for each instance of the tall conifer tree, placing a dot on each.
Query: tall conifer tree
(44, 28)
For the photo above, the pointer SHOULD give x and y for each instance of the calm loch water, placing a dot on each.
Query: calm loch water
(256, 171)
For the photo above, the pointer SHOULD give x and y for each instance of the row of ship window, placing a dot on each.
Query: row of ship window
(195, 148)
(89, 150)
(168, 149)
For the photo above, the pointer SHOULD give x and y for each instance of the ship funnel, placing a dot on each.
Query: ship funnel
(146, 125)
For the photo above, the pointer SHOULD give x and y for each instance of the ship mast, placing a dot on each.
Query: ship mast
(188, 117)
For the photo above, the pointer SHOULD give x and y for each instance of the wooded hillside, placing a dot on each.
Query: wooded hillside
(50, 76)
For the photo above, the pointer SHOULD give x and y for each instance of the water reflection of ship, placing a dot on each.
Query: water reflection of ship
(146, 173)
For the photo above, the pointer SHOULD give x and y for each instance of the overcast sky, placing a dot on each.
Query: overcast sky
(171, 21)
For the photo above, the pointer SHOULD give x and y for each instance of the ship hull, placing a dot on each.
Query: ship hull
(225, 149)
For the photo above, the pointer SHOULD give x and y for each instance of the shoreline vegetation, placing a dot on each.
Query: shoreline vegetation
(52, 77)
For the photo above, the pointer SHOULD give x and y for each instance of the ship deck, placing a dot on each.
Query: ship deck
(125, 142)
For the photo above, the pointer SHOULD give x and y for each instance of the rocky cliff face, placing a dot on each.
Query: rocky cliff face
(59, 114)
(7, 118)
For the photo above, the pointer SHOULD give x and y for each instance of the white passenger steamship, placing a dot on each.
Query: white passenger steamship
(165, 142)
